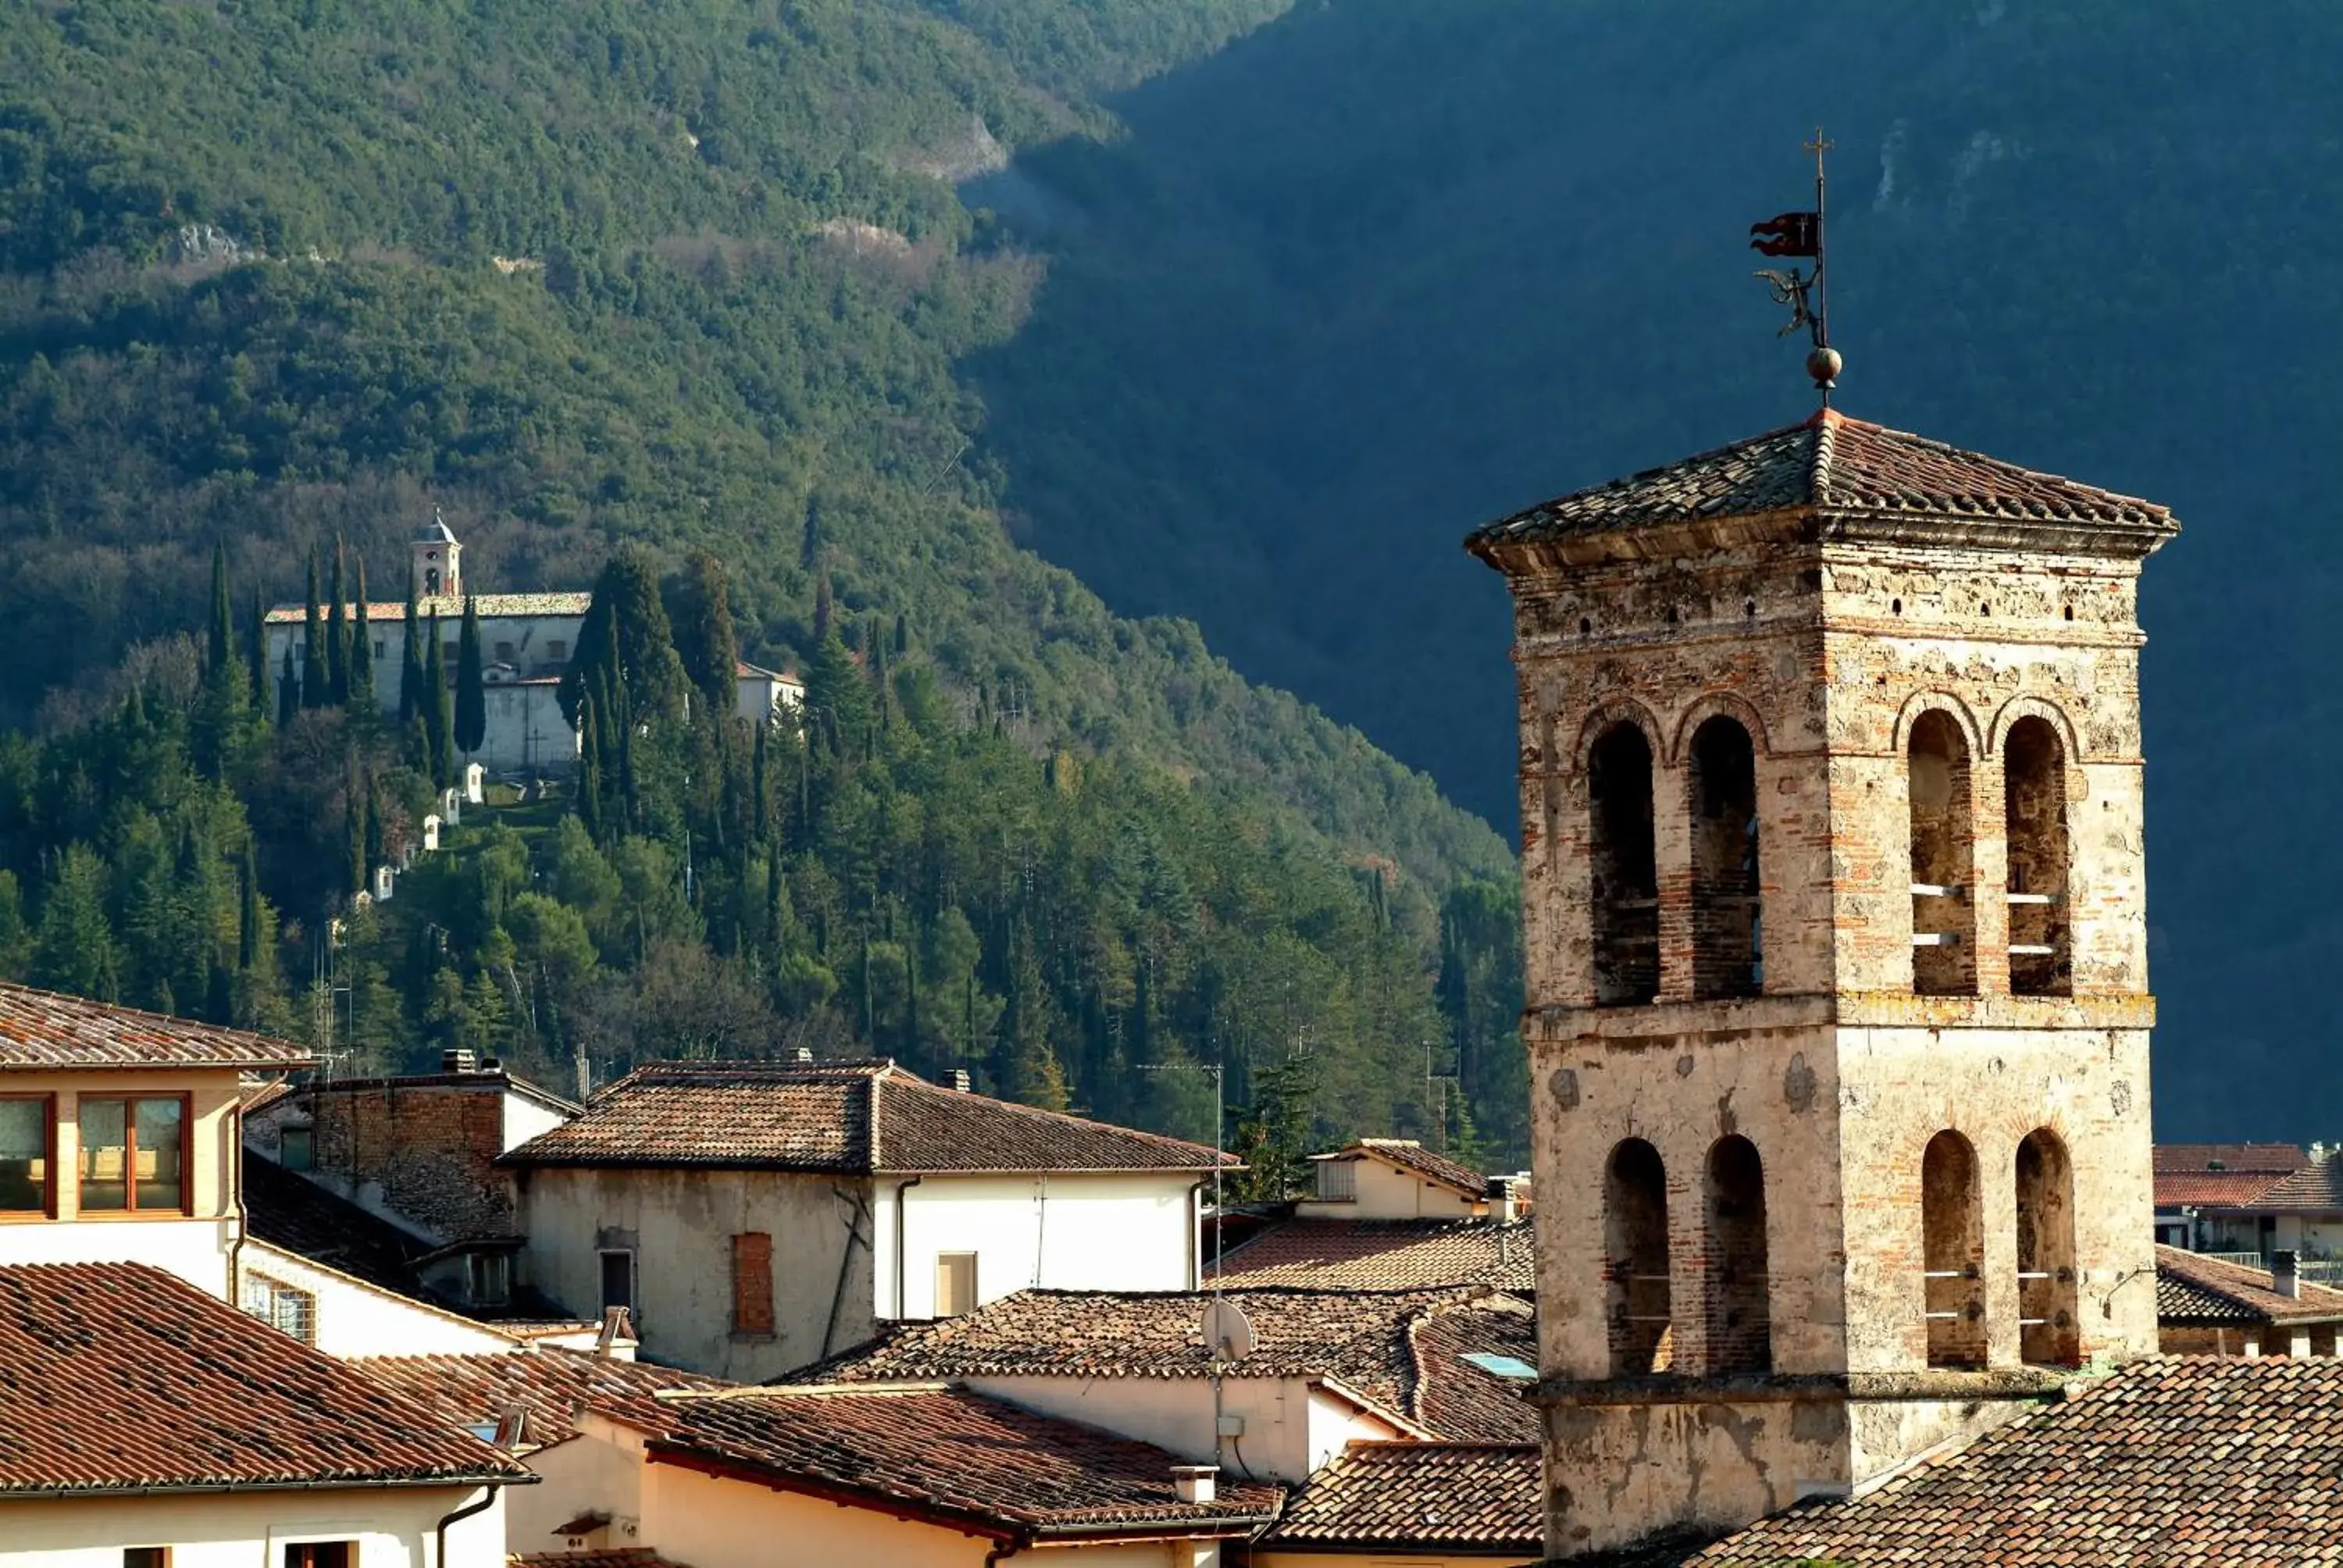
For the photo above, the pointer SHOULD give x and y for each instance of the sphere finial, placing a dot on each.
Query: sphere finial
(1824, 365)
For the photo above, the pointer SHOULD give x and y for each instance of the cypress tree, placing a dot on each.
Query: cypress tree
(362, 697)
(354, 830)
(439, 712)
(256, 658)
(338, 631)
(704, 638)
(471, 689)
(222, 651)
(589, 768)
(822, 607)
(902, 634)
(316, 685)
(288, 692)
(410, 671)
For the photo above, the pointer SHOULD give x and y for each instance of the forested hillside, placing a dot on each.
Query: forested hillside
(612, 281)
(1382, 270)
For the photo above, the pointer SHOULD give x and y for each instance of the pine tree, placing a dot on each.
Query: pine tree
(823, 608)
(338, 631)
(836, 692)
(76, 951)
(437, 703)
(247, 912)
(221, 653)
(471, 689)
(902, 634)
(410, 671)
(316, 683)
(362, 692)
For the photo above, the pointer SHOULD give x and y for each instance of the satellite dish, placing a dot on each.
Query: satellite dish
(1228, 1332)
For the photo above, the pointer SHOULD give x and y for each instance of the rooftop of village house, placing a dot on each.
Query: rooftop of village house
(1384, 1254)
(2194, 1289)
(1419, 1497)
(46, 1031)
(845, 1117)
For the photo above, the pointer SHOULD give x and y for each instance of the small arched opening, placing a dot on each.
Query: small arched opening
(1626, 873)
(1635, 1246)
(2034, 766)
(1944, 833)
(1952, 1225)
(1728, 957)
(2050, 1332)
(1740, 1323)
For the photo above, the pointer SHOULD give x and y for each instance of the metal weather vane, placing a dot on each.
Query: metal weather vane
(1800, 234)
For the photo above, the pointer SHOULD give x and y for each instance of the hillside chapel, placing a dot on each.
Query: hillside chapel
(1833, 885)
(526, 643)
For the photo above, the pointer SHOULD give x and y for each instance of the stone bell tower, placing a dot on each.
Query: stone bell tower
(438, 559)
(1838, 1010)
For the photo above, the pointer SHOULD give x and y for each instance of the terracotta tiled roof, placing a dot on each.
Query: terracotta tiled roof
(950, 1454)
(623, 1557)
(492, 1078)
(117, 1376)
(848, 1117)
(450, 608)
(1402, 1350)
(2276, 1158)
(2193, 1288)
(1385, 1255)
(288, 1210)
(2197, 1459)
(1834, 465)
(553, 1385)
(43, 1031)
(1411, 1156)
(2313, 1190)
(1420, 1497)
(2213, 1189)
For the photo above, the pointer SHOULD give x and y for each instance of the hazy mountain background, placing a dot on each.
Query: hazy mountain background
(1381, 270)
(1239, 311)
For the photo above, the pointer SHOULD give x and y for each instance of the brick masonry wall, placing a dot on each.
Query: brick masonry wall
(1826, 653)
(424, 1153)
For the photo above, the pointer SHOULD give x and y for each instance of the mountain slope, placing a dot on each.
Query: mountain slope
(1381, 271)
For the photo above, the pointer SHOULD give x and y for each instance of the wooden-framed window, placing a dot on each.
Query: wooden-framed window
(145, 1557)
(134, 1153)
(28, 1156)
(955, 1283)
(752, 1283)
(321, 1554)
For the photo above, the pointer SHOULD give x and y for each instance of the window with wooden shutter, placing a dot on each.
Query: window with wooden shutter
(955, 1283)
(752, 1283)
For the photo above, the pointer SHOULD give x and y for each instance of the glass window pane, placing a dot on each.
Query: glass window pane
(161, 1183)
(104, 1155)
(23, 1156)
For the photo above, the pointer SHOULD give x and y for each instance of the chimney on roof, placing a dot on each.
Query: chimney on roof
(805, 1055)
(1196, 1483)
(1500, 1200)
(960, 1079)
(2286, 1272)
(459, 1060)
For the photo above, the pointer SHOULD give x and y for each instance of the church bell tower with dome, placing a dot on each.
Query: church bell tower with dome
(1833, 883)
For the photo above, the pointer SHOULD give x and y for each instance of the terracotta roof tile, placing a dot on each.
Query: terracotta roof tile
(450, 608)
(2193, 1288)
(553, 1385)
(1404, 1350)
(1411, 1156)
(2313, 1190)
(848, 1117)
(1832, 464)
(1385, 1255)
(288, 1210)
(2276, 1158)
(2198, 1459)
(44, 1030)
(950, 1453)
(117, 1375)
(1420, 1497)
(2213, 1189)
(619, 1557)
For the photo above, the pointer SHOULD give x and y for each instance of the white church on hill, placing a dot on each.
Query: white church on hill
(526, 643)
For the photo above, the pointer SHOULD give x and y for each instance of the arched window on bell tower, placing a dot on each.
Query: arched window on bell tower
(2034, 766)
(1740, 1325)
(1943, 832)
(1952, 1229)
(1727, 959)
(1635, 1247)
(2048, 1334)
(1625, 870)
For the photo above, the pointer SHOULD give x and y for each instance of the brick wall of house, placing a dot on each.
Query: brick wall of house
(422, 1151)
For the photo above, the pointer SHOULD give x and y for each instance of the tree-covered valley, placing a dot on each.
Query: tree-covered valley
(668, 299)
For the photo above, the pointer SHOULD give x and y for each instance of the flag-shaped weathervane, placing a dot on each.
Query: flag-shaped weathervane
(1800, 234)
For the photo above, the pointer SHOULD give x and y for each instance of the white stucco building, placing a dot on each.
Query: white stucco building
(527, 641)
(757, 1217)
